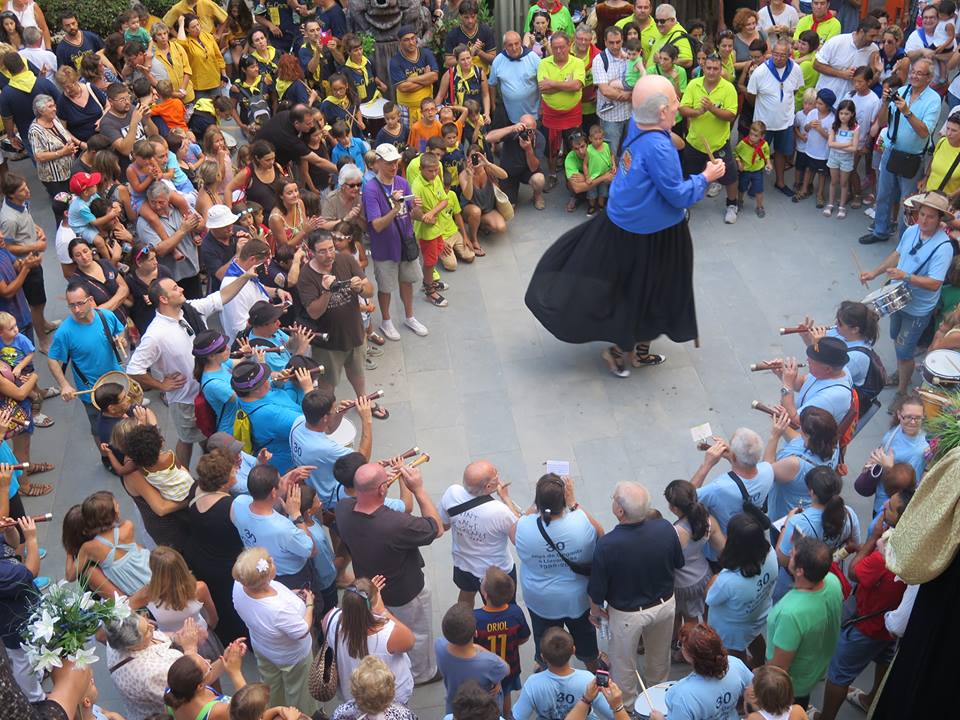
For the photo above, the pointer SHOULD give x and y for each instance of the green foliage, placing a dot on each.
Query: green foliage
(99, 17)
(159, 7)
(369, 43)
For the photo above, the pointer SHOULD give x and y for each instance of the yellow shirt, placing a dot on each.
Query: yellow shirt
(676, 33)
(573, 69)
(751, 159)
(708, 126)
(943, 156)
(175, 60)
(205, 59)
(431, 193)
(208, 13)
(648, 35)
(826, 30)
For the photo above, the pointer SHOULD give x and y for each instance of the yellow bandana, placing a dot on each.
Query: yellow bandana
(23, 81)
(343, 102)
(282, 86)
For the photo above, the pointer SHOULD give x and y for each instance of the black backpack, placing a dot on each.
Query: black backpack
(695, 44)
(875, 380)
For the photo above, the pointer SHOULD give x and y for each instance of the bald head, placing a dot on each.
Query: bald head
(654, 101)
(633, 500)
(530, 121)
(511, 44)
(477, 476)
(369, 478)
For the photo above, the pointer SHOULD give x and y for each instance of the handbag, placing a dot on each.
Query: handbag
(504, 206)
(900, 163)
(323, 678)
(578, 568)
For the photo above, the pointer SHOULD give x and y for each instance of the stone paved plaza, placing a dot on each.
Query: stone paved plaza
(489, 382)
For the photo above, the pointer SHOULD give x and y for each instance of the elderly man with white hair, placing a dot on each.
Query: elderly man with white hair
(722, 496)
(631, 585)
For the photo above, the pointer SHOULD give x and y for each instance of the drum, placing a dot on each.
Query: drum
(933, 401)
(130, 386)
(658, 696)
(942, 367)
(890, 298)
(345, 434)
(373, 110)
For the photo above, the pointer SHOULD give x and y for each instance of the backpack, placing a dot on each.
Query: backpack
(243, 431)
(207, 419)
(875, 380)
(695, 45)
(258, 109)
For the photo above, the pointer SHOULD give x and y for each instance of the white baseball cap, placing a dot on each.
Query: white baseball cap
(388, 152)
(220, 216)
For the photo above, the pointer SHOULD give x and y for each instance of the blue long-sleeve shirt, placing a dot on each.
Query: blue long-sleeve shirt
(651, 194)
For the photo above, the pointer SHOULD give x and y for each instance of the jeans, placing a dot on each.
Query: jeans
(890, 190)
(614, 132)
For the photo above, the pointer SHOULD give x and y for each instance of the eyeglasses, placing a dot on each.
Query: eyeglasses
(186, 327)
(661, 21)
(78, 305)
(142, 253)
(353, 185)
(911, 418)
(326, 251)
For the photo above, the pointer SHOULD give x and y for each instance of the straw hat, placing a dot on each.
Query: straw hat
(933, 199)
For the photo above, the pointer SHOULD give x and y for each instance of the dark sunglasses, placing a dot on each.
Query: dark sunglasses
(353, 185)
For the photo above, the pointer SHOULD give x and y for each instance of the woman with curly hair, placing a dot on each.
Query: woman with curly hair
(373, 687)
(290, 88)
(717, 682)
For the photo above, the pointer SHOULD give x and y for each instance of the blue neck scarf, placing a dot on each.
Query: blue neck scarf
(235, 270)
(780, 78)
(523, 54)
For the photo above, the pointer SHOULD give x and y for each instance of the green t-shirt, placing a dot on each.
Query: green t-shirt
(559, 20)
(708, 126)
(949, 299)
(810, 78)
(431, 194)
(808, 624)
(572, 164)
(599, 161)
(752, 161)
(634, 71)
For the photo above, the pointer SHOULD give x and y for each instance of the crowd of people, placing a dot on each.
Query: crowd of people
(227, 272)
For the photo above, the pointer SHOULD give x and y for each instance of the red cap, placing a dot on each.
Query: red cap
(82, 181)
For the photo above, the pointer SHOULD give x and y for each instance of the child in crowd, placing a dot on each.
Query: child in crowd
(817, 125)
(455, 114)
(207, 113)
(114, 451)
(170, 170)
(502, 626)
(348, 145)
(82, 221)
(17, 350)
(428, 187)
(771, 696)
(325, 576)
(129, 23)
(169, 108)
(252, 702)
(60, 205)
(426, 127)
(115, 234)
(142, 172)
(599, 163)
(145, 448)
(342, 104)
(868, 107)
(554, 691)
(473, 126)
(801, 162)
(453, 156)
(191, 154)
(634, 67)
(89, 710)
(251, 219)
(459, 659)
(370, 159)
(462, 248)
(842, 143)
(393, 131)
(752, 154)
(114, 404)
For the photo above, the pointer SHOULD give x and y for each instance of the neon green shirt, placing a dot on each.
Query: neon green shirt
(745, 153)
(573, 69)
(572, 164)
(430, 194)
(712, 129)
(599, 161)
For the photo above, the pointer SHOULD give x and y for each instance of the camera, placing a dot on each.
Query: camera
(524, 134)
(475, 158)
(340, 286)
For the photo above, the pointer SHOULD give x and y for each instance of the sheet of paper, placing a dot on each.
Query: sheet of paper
(558, 467)
(702, 433)
(778, 524)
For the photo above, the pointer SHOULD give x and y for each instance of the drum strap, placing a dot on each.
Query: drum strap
(923, 265)
(110, 338)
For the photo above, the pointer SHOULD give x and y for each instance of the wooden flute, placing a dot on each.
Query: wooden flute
(11, 522)
(348, 404)
(419, 461)
(757, 405)
(403, 456)
(770, 365)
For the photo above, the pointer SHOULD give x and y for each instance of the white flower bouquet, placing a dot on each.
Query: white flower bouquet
(62, 623)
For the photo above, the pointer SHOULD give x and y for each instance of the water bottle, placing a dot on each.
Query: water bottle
(603, 633)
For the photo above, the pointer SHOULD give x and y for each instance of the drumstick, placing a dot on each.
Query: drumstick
(348, 404)
(11, 522)
(706, 148)
(771, 365)
(757, 405)
(403, 456)
(856, 260)
(646, 695)
(419, 461)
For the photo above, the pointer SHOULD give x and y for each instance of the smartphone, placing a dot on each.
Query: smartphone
(475, 158)
(602, 677)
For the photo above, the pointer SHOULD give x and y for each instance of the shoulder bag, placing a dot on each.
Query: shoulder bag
(578, 568)
(468, 505)
(900, 163)
(748, 507)
(409, 248)
(323, 679)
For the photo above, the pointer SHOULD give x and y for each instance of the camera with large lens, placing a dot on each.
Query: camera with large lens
(524, 134)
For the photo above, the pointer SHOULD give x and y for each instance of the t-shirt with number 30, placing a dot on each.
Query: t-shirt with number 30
(696, 697)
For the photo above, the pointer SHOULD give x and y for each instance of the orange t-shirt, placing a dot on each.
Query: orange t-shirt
(420, 134)
(172, 112)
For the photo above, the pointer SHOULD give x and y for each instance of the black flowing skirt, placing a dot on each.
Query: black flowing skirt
(601, 282)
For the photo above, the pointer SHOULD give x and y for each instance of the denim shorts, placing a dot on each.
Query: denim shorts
(840, 160)
(781, 141)
(583, 632)
(751, 181)
(905, 331)
(855, 651)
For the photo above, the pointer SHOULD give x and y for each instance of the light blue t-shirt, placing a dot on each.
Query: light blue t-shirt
(518, 84)
(932, 260)
(833, 395)
(784, 497)
(309, 447)
(550, 588)
(906, 449)
(287, 544)
(180, 180)
(271, 418)
(722, 498)
(927, 108)
(739, 605)
(698, 698)
(859, 362)
(484, 667)
(809, 523)
(323, 560)
(548, 696)
(79, 215)
(247, 463)
(216, 389)
(86, 346)
(278, 360)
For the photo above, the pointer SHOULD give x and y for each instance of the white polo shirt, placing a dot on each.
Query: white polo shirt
(775, 102)
(480, 535)
(167, 347)
(840, 53)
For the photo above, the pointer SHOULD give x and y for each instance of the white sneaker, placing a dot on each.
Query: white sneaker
(418, 327)
(389, 331)
(713, 189)
(870, 212)
(730, 216)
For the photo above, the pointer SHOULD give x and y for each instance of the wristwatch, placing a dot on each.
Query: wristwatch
(297, 520)
(784, 391)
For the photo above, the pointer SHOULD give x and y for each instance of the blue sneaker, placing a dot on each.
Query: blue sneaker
(40, 582)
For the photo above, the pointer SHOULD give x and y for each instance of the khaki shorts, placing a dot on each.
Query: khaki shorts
(460, 250)
(185, 423)
(335, 361)
(390, 273)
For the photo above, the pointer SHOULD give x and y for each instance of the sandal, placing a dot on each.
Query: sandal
(855, 204)
(41, 420)
(439, 285)
(539, 204)
(841, 212)
(821, 204)
(571, 205)
(376, 338)
(550, 184)
(613, 356)
(479, 251)
(827, 211)
(51, 392)
(800, 196)
(35, 489)
(647, 360)
(380, 412)
(435, 298)
(37, 468)
(855, 697)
